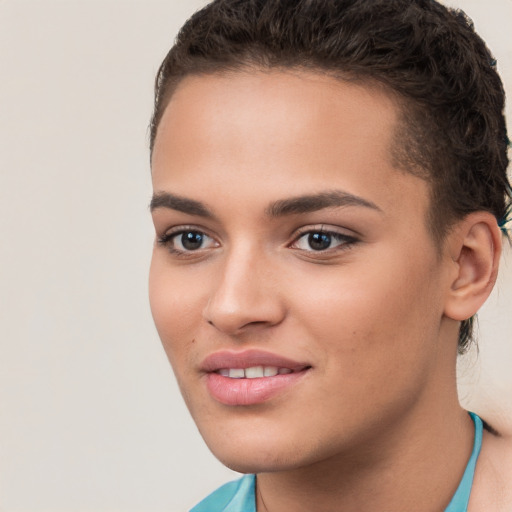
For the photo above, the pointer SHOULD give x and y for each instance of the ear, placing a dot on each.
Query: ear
(475, 248)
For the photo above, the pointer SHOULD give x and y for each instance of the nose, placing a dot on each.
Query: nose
(245, 294)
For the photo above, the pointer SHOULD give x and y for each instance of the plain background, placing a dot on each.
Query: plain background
(90, 415)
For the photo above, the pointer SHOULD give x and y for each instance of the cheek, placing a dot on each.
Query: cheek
(175, 306)
(372, 335)
(371, 312)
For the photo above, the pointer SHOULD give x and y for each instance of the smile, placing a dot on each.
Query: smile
(254, 372)
(250, 377)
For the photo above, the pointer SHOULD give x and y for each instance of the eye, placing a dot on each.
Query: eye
(321, 240)
(186, 241)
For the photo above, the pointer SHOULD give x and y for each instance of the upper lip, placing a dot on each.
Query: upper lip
(248, 359)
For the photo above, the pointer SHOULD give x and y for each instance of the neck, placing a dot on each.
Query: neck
(416, 465)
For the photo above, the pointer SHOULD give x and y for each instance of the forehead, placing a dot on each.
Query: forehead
(261, 103)
(280, 133)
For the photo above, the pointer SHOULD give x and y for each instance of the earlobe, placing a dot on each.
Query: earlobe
(475, 247)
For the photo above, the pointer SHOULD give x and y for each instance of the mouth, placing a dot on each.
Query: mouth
(257, 372)
(250, 377)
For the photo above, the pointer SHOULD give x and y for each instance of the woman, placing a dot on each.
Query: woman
(329, 186)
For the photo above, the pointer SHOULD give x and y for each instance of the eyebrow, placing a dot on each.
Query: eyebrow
(315, 202)
(292, 206)
(179, 203)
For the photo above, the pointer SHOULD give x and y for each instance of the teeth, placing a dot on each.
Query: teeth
(236, 373)
(270, 371)
(254, 372)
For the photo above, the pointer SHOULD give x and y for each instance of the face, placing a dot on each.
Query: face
(294, 283)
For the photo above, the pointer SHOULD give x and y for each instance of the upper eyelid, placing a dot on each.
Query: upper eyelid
(334, 234)
(170, 233)
(175, 230)
(325, 228)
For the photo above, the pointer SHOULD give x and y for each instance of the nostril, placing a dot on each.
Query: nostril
(233, 313)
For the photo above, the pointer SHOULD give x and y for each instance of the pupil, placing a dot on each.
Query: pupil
(192, 240)
(319, 241)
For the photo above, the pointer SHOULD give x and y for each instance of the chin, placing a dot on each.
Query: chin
(259, 451)
(250, 462)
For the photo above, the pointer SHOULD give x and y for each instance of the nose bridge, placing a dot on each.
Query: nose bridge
(243, 293)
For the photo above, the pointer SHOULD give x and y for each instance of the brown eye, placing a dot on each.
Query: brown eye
(187, 241)
(318, 241)
(191, 240)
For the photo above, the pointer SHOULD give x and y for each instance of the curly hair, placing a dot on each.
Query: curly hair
(452, 131)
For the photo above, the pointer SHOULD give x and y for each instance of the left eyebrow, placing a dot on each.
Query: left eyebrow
(179, 203)
(315, 202)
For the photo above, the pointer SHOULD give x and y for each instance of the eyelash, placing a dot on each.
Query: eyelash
(345, 241)
(167, 239)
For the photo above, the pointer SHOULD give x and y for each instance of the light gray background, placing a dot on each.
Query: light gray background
(90, 415)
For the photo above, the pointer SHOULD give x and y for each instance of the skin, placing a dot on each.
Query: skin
(376, 315)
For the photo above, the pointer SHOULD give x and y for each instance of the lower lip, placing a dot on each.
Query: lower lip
(249, 391)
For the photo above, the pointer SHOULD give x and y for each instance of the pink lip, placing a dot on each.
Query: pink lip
(248, 358)
(230, 391)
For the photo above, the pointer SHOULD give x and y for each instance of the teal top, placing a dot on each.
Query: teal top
(239, 496)
(460, 499)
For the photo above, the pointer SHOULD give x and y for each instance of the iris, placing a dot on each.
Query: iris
(319, 241)
(192, 240)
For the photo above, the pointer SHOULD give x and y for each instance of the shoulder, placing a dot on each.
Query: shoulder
(492, 487)
(236, 496)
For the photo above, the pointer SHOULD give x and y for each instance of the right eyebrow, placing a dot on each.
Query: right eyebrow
(314, 202)
(179, 203)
